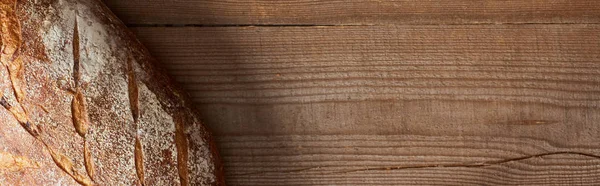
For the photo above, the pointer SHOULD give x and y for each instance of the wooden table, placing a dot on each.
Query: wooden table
(321, 92)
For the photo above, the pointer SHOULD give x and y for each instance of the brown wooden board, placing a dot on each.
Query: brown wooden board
(355, 12)
(400, 104)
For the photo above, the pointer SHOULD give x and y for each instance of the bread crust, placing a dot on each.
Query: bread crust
(83, 103)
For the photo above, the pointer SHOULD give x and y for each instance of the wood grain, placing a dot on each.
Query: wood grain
(407, 160)
(550, 64)
(354, 12)
(402, 104)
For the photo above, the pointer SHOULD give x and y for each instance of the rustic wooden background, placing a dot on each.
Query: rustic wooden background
(319, 92)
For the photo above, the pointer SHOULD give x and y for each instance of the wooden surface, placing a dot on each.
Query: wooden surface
(300, 94)
(355, 12)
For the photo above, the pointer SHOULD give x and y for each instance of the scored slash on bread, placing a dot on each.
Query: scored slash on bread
(95, 109)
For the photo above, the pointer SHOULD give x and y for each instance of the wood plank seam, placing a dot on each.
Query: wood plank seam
(334, 25)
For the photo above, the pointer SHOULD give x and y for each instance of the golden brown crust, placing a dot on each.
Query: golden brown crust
(89, 160)
(88, 97)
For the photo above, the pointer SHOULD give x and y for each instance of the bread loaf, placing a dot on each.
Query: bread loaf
(82, 103)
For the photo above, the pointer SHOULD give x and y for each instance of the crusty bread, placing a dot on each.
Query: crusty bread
(82, 103)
